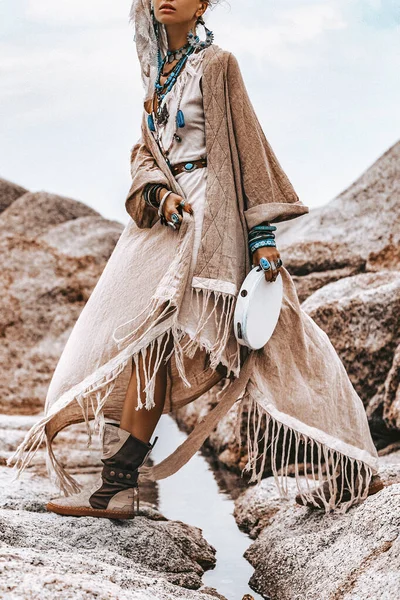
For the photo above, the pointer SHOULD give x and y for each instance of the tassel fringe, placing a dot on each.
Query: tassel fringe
(288, 440)
(223, 320)
(95, 395)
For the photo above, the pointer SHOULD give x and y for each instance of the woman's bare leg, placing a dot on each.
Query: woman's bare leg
(141, 423)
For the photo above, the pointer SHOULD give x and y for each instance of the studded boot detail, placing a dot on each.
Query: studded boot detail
(112, 495)
(123, 454)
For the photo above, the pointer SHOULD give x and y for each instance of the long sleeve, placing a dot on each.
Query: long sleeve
(269, 195)
(144, 170)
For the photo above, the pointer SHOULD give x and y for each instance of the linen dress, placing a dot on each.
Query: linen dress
(191, 147)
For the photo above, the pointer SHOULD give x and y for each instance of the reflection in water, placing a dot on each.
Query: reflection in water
(193, 496)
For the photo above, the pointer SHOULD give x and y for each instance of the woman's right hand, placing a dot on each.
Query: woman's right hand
(171, 206)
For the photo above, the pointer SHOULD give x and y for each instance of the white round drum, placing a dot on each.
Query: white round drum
(257, 309)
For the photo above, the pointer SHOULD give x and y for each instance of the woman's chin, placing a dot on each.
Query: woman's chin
(168, 18)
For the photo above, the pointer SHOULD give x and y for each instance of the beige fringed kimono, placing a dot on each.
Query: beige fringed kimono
(295, 388)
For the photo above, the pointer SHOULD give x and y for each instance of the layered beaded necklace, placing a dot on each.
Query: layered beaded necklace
(161, 90)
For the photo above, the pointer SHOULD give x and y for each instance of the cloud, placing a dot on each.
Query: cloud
(381, 14)
(51, 71)
(278, 35)
(322, 74)
(50, 83)
(74, 12)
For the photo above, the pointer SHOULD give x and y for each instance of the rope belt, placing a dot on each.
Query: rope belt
(188, 166)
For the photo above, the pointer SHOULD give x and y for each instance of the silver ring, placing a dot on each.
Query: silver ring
(182, 202)
(171, 224)
(175, 217)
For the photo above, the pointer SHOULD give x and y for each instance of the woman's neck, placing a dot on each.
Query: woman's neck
(177, 35)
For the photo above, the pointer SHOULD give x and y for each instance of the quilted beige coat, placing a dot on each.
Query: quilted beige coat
(295, 388)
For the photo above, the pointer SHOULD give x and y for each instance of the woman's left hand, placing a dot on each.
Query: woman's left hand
(272, 254)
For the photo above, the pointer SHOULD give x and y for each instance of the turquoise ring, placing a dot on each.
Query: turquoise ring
(265, 264)
(175, 217)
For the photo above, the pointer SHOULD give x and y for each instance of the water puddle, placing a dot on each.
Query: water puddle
(201, 496)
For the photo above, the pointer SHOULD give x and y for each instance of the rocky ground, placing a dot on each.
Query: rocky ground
(47, 556)
(303, 554)
(345, 261)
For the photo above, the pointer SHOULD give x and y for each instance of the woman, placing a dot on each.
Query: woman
(157, 331)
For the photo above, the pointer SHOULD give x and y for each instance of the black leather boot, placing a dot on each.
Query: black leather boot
(112, 495)
(123, 454)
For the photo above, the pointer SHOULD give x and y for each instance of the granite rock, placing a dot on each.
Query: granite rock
(301, 553)
(45, 555)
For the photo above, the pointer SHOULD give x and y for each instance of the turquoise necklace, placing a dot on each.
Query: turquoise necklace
(162, 90)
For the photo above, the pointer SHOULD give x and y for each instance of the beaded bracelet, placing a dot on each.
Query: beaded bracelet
(262, 227)
(260, 232)
(260, 244)
(259, 239)
(260, 236)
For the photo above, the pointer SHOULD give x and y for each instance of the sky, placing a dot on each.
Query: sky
(322, 75)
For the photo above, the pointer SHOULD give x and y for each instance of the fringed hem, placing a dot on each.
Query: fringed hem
(280, 438)
(223, 320)
(231, 392)
(98, 388)
(97, 392)
(217, 350)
